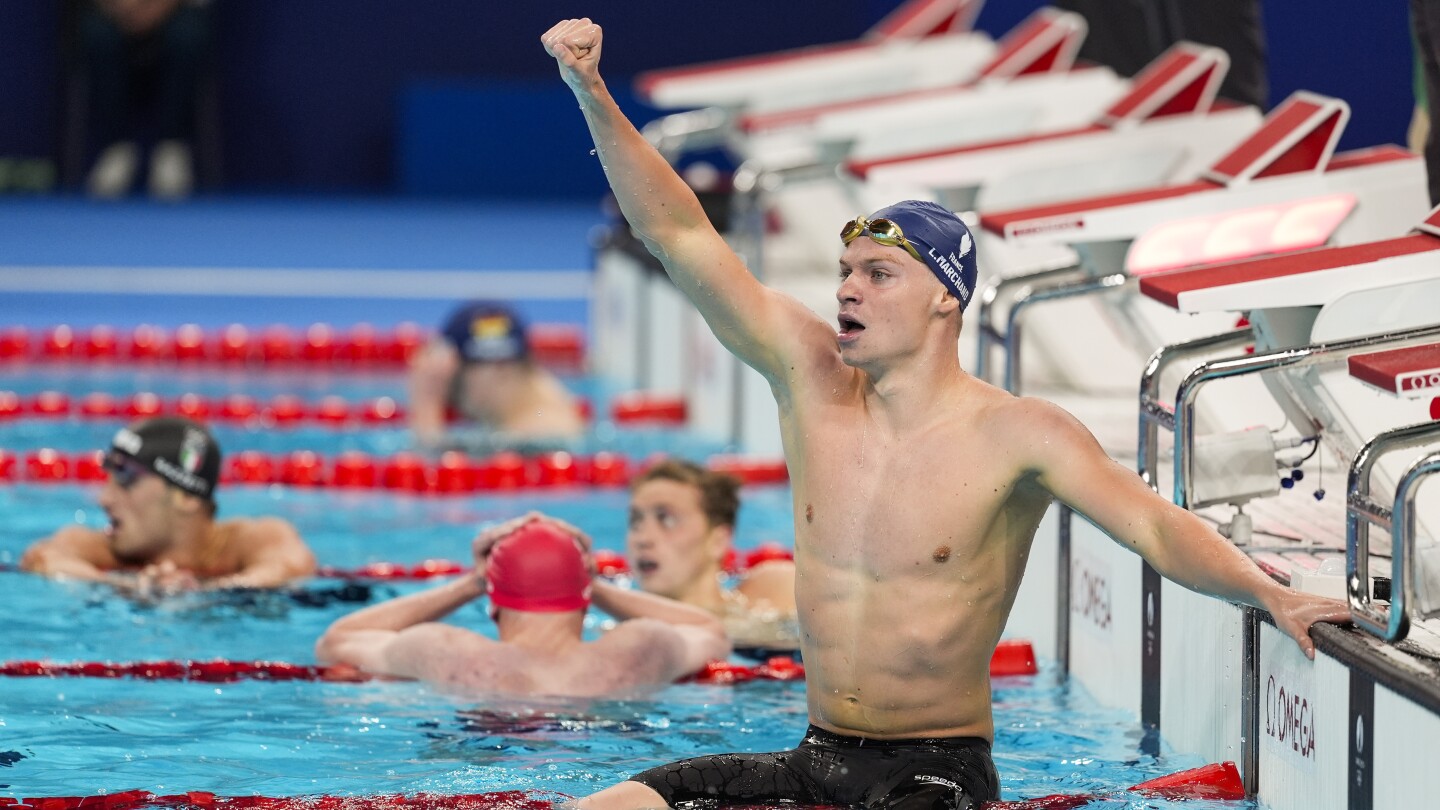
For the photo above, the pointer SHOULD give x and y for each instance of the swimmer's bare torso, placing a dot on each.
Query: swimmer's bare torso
(910, 545)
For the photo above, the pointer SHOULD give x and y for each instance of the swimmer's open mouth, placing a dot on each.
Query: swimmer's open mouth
(850, 326)
(646, 566)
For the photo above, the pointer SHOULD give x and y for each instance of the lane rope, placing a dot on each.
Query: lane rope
(453, 472)
(1216, 782)
(359, 346)
(632, 409)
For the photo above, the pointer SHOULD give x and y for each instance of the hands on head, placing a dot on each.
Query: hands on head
(575, 44)
(485, 541)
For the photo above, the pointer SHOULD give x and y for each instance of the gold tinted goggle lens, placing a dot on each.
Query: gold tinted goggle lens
(881, 230)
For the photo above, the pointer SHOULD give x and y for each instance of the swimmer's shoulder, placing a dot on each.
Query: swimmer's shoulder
(265, 529)
(1035, 432)
(771, 584)
(75, 541)
(249, 537)
(642, 645)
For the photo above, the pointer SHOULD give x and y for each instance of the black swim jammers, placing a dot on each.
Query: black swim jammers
(955, 773)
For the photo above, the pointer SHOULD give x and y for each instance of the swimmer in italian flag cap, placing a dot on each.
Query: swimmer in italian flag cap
(918, 490)
(539, 577)
(161, 533)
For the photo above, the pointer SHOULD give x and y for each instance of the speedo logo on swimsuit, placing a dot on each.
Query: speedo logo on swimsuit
(947, 266)
(180, 477)
(127, 441)
(925, 777)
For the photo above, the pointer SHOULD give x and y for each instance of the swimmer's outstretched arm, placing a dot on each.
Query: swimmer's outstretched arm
(1065, 459)
(624, 603)
(375, 638)
(73, 552)
(765, 329)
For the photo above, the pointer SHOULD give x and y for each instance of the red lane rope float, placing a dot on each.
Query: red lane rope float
(217, 671)
(284, 410)
(361, 345)
(607, 563)
(722, 673)
(453, 473)
(200, 800)
(1216, 782)
(778, 668)
(631, 410)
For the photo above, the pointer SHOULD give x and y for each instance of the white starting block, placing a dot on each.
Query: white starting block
(923, 43)
(1028, 86)
(1281, 190)
(1166, 129)
(1173, 97)
(1347, 336)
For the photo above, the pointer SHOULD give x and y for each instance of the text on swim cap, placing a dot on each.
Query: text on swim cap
(947, 266)
(128, 441)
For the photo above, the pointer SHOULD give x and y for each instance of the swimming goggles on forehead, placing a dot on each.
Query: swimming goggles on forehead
(123, 470)
(881, 230)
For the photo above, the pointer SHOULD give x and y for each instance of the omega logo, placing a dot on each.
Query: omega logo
(1418, 380)
(1090, 594)
(1290, 719)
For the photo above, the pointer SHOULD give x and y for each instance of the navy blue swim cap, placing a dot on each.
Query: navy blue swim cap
(941, 239)
(486, 332)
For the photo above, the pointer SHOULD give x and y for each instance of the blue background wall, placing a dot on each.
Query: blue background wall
(313, 91)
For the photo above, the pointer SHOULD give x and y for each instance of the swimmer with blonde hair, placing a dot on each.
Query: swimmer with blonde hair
(917, 490)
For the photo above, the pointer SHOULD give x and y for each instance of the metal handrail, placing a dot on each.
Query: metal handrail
(987, 333)
(675, 134)
(1393, 623)
(1028, 298)
(1153, 413)
(1301, 357)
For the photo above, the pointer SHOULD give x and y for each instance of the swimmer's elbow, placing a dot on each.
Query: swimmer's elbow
(329, 648)
(35, 559)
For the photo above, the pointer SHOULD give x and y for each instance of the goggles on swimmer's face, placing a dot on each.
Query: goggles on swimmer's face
(123, 470)
(881, 230)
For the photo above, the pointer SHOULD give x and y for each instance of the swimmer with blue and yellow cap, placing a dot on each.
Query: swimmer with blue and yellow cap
(917, 490)
(479, 367)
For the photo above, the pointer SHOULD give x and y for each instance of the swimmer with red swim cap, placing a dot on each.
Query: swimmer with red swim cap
(917, 490)
(159, 499)
(539, 577)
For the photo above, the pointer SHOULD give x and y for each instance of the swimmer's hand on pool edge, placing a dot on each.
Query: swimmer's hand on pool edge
(575, 44)
(1295, 612)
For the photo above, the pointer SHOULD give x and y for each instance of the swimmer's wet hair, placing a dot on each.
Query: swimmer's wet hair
(719, 492)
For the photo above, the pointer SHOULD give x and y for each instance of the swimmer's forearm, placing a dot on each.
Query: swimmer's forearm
(38, 560)
(623, 603)
(407, 611)
(655, 201)
(1200, 559)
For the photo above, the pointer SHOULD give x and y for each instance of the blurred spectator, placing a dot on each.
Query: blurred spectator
(137, 52)
(480, 367)
(1425, 21)
(1126, 35)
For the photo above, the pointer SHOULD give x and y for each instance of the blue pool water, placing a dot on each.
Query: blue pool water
(72, 736)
